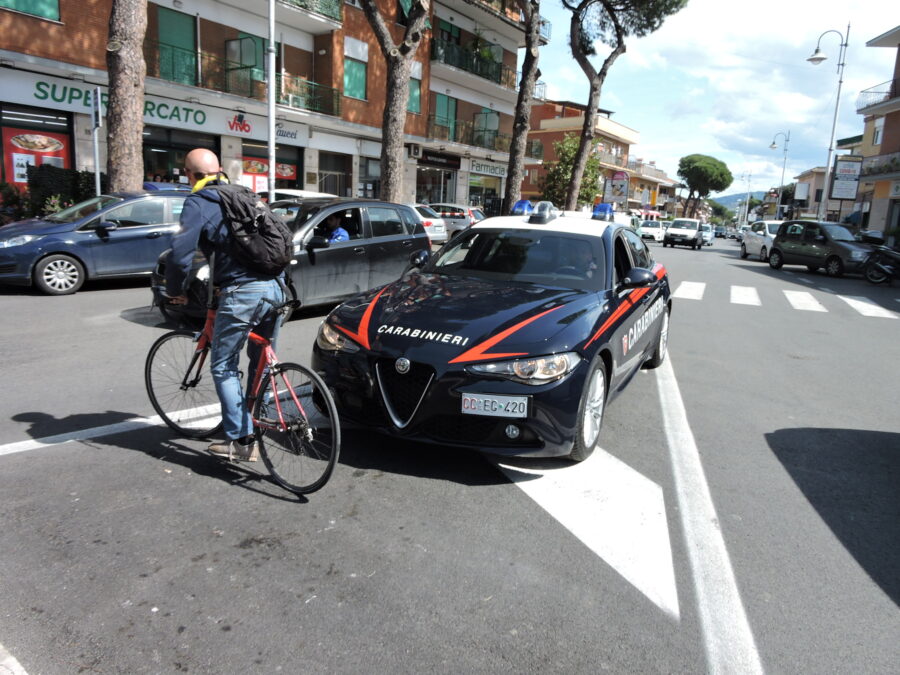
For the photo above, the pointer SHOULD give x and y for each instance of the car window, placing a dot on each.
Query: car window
(684, 224)
(177, 206)
(447, 211)
(426, 212)
(533, 256)
(794, 231)
(839, 233)
(478, 214)
(411, 220)
(287, 212)
(350, 220)
(82, 209)
(385, 221)
(137, 213)
(812, 231)
(773, 228)
(639, 252)
(621, 260)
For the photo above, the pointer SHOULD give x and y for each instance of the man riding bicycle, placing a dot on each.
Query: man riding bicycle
(245, 299)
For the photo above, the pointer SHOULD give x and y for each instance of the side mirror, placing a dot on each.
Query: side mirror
(638, 277)
(108, 225)
(418, 258)
(317, 241)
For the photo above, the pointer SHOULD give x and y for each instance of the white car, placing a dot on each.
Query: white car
(706, 231)
(684, 232)
(652, 229)
(434, 224)
(758, 238)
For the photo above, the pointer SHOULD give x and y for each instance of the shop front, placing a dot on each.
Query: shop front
(32, 137)
(165, 149)
(335, 173)
(486, 186)
(255, 166)
(436, 178)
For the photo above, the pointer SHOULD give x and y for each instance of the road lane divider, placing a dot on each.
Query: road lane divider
(728, 640)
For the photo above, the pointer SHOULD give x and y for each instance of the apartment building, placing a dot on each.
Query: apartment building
(631, 184)
(879, 194)
(206, 86)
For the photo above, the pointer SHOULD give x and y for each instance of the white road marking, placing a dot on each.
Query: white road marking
(744, 295)
(804, 301)
(615, 511)
(690, 290)
(9, 665)
(728, 640)
(867, 307)
(82, 435)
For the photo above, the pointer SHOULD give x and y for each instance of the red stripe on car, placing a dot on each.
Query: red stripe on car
(479, 352)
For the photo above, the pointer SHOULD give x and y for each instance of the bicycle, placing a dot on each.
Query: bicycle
(295, 419)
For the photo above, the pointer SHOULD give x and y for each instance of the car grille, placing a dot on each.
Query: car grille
(402, 393)
(6, 269)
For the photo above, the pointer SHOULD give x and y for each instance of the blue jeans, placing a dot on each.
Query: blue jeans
(241, 309)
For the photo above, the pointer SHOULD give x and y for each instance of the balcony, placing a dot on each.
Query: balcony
(328, 8)
(473, 62)
(460, 131)
(882, 99)
(502, 16)
(612, 160)
(881, 166)
(646, 170)
(208, 71)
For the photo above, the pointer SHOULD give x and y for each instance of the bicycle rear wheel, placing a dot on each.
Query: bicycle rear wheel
(180, 385)
(297, 428)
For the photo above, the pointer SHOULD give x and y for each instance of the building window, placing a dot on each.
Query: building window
(354, 78)
(877, 132)
(415, 96)
(354, 3)
(46, 9)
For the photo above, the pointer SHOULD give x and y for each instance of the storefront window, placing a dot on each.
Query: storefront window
(434, 185)
(485, 192)
(369, 178)
(165, 150)
(32, 137)
(255, 165)
(335, 172)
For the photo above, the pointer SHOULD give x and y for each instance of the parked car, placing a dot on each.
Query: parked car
(511, 340)
(160, 185)
(652, 229)
(684, 232)
(759, 237)
(382, 237)
(290, 193)
(706, 233)
(739, 233)
(818, 245)
(115, 235)
(457, 217)
(433, 223)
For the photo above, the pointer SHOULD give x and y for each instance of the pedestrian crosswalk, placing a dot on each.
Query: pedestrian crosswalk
(804, 301)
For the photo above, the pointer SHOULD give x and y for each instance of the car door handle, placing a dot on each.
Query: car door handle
(359, 250)
(154, 235)
(406, 243)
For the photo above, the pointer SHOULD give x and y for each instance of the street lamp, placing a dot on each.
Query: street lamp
(747, 176)
(817, 57)
(787, 139)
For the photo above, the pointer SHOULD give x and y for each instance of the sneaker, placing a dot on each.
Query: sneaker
(234, 451)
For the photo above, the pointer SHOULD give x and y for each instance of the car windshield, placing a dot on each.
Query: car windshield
(839, 233)
(427, 212)
(773, 228)
(649, 223)
(82, 209)
(684, 224)
(705, 228)
(530, 256)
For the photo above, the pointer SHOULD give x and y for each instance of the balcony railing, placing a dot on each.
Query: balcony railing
(878, 94)
(329, 8)
(472, 62)
(461, 131)
(881, 164)
(295, 92)
(615, 160)
(540, 88)
(510, 9)
(208, 71)
(646, 169)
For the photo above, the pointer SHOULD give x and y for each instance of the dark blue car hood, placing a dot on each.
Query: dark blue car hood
(445, 319)
(34, 226)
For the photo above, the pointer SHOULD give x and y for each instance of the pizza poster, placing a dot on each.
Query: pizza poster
(23, 148)
(255, 165)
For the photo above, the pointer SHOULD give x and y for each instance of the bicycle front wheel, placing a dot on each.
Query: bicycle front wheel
(297, 428)
(180, 385)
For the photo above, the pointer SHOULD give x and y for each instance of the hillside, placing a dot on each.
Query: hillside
(730, 201)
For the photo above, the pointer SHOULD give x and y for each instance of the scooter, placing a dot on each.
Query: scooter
(883, 264)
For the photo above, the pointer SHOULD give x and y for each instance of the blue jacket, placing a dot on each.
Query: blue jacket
(202, 227)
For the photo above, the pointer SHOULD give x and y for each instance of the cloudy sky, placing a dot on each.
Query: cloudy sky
(722, 78)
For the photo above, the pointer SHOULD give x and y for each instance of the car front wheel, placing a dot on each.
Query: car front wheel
(743, 251)
(59, 275)
(775, 260)
(590, 412)
(834, 267)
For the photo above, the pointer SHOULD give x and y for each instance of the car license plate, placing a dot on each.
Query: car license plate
(495, 405)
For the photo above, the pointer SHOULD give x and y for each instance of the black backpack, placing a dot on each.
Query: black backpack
(260, 240)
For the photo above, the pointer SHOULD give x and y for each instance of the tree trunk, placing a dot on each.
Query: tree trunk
(392, 127)
(596, 80)
(515, 172)
(399, 59)
(125, 107)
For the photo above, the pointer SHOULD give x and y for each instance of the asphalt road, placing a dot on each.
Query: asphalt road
(742, 515)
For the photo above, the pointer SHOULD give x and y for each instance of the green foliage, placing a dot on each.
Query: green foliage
(555, 184)
(719, 211)
(637, 18)
(55, 204)
(12, 203)
(67, 185)
(704, 174)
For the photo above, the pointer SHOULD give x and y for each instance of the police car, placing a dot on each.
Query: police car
(512, 339)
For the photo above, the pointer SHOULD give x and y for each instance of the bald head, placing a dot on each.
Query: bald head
(201, 161)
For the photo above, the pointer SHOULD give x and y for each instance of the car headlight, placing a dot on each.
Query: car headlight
(535, 371)
(332, 340)
(20, 240)
(857, 255)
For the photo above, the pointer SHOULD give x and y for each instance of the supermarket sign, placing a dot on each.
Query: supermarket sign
(75, 96)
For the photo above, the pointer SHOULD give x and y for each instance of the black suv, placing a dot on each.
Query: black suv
(818, 245)
(382, 237)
